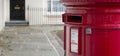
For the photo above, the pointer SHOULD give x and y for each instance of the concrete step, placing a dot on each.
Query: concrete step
(17, 23)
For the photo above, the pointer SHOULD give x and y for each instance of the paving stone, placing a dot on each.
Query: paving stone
(29, 41)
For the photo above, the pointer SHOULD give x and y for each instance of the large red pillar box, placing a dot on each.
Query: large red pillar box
(92, 27)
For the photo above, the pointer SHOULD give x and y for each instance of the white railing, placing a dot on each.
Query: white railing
(37, 16)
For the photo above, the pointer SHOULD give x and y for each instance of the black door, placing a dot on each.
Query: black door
(17, 10)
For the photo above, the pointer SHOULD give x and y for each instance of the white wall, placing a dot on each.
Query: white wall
(36, 13)
(6, 10)
(1, 15)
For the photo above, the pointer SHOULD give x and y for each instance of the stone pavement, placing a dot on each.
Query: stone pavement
(30, 41)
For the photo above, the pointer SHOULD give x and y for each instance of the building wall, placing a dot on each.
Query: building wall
(36, 13)
(1, 15)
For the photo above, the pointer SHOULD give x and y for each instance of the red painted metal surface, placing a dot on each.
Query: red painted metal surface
(90, 0)
(102, 18)
(74, 24)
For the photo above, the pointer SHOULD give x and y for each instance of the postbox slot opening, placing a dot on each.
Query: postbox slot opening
(77, 19)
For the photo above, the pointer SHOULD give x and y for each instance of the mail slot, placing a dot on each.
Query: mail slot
(75, 19)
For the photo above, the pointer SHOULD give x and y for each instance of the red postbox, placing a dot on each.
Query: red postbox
(92, 27)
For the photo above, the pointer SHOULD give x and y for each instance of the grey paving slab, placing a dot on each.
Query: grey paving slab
(27, 41)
